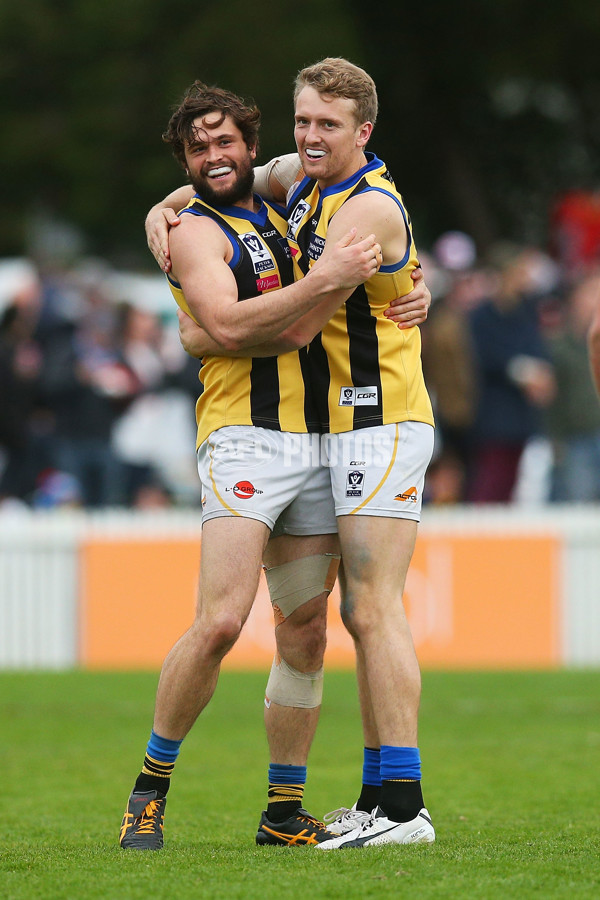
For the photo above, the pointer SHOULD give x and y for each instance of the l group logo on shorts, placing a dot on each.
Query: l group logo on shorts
(408, 496)
(358, 396)
(355, 479)
(259, 253)
(244, 490)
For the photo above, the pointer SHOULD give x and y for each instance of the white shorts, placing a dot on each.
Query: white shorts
(379, 471)
(272, 476)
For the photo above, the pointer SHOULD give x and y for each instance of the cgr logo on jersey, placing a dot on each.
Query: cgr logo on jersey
(259, 254)
(358, 396)
(354, 482)
(296, 217)
(409, 496)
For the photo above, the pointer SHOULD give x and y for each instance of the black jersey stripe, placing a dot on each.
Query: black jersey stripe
(363, 348)
(264, 392)
(317, 376)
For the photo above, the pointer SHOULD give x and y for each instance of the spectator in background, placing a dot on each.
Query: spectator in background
(153, 435)
(515, 378)
(448, 363)
(23, 451)
(593, 339)
(84, 385)
(573, 417)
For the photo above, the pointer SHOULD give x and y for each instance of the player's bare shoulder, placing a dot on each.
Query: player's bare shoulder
(201, 236)
(375, 212)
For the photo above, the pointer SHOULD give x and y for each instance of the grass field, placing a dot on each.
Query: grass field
(512, 779)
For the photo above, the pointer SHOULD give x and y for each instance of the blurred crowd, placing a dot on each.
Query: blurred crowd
(97, 396)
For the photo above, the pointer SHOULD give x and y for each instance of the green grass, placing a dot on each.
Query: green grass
(512, 779)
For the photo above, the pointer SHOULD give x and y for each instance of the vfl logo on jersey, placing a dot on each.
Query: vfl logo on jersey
(358, 396)
(409, 496)
(259, 254)
(355, 479)
(296, 217)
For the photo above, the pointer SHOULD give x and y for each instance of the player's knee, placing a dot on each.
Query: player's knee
(303, 645)
(220, 634)
(288, 686)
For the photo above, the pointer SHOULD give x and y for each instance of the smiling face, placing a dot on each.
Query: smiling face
(219, 162)
(330, 141)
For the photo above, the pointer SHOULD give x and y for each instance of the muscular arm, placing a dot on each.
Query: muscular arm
(199, 251)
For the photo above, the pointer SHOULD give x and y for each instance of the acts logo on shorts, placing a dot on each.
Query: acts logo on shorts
(355, 479)
(358, 396)
(408, 496)
(244, 490)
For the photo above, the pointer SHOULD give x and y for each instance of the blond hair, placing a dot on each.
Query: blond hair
(340, 78)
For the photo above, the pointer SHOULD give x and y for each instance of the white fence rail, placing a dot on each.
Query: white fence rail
(40, 558)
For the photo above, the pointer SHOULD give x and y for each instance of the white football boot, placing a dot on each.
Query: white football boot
(344, 820)
(380, 830)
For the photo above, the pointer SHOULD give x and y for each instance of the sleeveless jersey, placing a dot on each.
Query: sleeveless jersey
(268, 392)
(364, 370)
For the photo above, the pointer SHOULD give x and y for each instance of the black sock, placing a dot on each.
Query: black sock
(401, 800)
(151, 783)
(369, 797)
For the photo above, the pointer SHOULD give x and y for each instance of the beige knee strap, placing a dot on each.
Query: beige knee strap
(298, 581)
(289, 687)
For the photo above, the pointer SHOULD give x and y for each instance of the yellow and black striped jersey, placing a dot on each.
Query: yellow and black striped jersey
(363, 369)
(268, 392)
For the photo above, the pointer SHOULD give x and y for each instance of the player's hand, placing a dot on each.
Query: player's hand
(351, 261)
(411, 309)
(191, 335)
(159, 222)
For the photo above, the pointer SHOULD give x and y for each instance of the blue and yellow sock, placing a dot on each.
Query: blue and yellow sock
(286, 791)
(159, 762)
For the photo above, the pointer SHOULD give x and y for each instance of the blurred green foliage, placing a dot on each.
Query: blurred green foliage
(487, 111)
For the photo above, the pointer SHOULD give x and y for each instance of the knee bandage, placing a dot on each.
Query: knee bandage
(289, 687)
(298, 581)
(290, 586)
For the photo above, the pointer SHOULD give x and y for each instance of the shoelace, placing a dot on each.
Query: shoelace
(311, 821)
(148, 818)
(344, 815)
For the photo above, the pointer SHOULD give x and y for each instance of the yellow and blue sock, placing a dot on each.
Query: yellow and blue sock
(159, 762)
(286, 791)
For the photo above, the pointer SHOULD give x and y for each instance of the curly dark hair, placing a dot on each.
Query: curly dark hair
(200, 100)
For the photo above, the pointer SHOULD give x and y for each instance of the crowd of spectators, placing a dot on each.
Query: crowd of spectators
(97, 396)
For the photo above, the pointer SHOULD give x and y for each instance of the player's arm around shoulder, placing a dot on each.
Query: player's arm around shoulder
(200, 252)
(377, 213)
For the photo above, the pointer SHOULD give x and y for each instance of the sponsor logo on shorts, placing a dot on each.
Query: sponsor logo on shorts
(358, 396)
(409, 496)
(355, 479)
(244, 490)
(203, 501)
